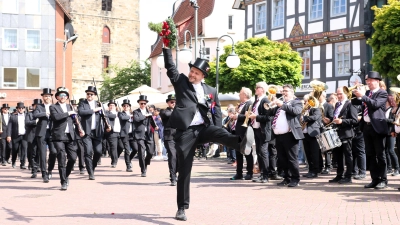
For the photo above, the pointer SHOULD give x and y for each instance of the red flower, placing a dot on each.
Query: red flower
(211, 96)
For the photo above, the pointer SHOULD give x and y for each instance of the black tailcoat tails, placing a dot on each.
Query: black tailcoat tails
(187, 137)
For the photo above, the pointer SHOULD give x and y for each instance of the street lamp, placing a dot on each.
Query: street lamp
(186, 53)
(196, 9)
(232, 61)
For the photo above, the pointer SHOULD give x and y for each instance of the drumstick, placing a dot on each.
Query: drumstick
(332, 122)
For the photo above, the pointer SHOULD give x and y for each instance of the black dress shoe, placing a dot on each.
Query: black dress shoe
(180, 215)
(82, 171)
(264, 179)
(64, 186)
(50, 174)
(283, 183)
(335, 180)
(143, 174)
(91, 177)
(345, 181)
(22, 167)
(3, 163)
(371, 185)
(45, 178)
(257, 179)
(128, 169)
(326, 171)
(359, 177)
(381, 185)
(293, 184)
(113, 166)
(312, 175)
(173, 183)
(305, 175)
(67, 181)
(13, 165)
(34, 175)
(276, 177)
(237, 177)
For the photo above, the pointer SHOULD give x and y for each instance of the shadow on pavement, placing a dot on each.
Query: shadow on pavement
(16, 216)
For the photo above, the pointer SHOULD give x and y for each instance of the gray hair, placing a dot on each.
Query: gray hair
(247, 92)
(263, 85)
(231, 110)
(288, 86)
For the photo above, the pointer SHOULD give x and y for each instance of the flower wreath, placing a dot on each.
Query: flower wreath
(167, 31)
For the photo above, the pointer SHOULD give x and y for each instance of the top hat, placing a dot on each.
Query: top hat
(81, 100)
(62, 90)
(46, 91)
(112, 102)
(37, 101)
(92, 89)
(20, 105)
(374, 75)
(126, 101)
(73, 102)
(202, 65)
(142, 98)
(170, 97)
(5, 105)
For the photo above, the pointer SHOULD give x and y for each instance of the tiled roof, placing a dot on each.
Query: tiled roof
(184, 19)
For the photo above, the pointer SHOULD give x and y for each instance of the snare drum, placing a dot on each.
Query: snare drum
(328, 140)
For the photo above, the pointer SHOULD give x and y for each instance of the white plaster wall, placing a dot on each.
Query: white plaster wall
(316, 27)
(278, 34)
(337, 24)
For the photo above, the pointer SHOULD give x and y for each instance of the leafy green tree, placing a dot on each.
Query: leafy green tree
(260, 60)
(385, 40)
(126, 80)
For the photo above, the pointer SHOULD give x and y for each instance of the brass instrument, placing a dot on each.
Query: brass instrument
(318, 87)
(227, 123)
(349, 90)
(312, 102)
(271, 105)
(247, 116)
(272, 90)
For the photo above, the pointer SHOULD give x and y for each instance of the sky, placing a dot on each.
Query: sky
(151, 11)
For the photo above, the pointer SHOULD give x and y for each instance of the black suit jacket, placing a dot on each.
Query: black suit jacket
(293, 110)
(40, 113)
(142, 126)
(86, 113)
(265, 119)
(186, 100)
(314, 121)
(60, 120)
(13, 128)
(125, 124)
(328, 111)
(169, 131)
(376, 110)
(239, 129)
(4, 126)
(30, 126)
(111, 119)
(348, 114)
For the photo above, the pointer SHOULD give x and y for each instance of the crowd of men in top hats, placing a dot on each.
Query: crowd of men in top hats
(71, 130)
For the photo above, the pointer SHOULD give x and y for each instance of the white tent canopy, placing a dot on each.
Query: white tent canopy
(153, 95)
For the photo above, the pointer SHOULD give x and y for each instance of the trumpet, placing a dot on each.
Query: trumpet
(271, 105)
(312, 102)
(349, 90)
(246, 120)
(272, 90)
(227, 123)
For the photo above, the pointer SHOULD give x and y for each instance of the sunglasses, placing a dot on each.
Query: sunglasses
(143, 103)
(89, 94)
(62, 95)
(172, 102)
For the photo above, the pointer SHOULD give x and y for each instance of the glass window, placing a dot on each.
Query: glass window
(10, 78)
(10, 6)
(106, 35)
(343, 59)
(32, 6)
(33, 40)
(261, 17)
(105, 63)
(338, 7)
(10, 39)
(316, 9)
(305, 65)
(32, 78)
(106, 5)
(230, 22)
(278, 13)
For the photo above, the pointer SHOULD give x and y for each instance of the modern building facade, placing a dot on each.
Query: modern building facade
(30, 55)
(330, 35)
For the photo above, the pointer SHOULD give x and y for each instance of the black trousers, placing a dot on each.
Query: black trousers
(172, 158)
(375, 151)
(65, 149)
(313, 153)
(239, 163)
(346, 151)
(185, 143)
(81, 153)
(288, 150)
(131, 148)
(145, 153)
(33, 155)
(42, 143)
(92, 146)
(5, 150)
(359, 158)
(262, 151)
(272, 155)
(115, 146)
(19, 144)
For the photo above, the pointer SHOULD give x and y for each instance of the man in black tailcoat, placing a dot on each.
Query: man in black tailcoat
(5, 148)
(16, 133)
(30, 125)
(194, 100)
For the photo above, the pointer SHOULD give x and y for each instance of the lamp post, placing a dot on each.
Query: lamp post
(232, 61)
(196, 9)
(65, 44)
(186, 53)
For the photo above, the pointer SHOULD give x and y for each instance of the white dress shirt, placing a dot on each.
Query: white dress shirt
(64, 108)
(144, 112)
(197, 119)
(282, 125)
(93, 106)
(117, 124)
(47, 108)
(21, 123)
(130, 121)
(339, 109)
(366, 118)
(6, 117)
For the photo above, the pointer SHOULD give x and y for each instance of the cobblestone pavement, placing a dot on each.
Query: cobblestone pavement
(119, 197)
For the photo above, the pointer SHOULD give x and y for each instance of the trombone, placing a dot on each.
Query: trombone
(272, 104)
(247, 116)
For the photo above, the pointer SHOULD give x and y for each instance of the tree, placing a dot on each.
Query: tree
(126, 80)
(385, 41)
(260, 60)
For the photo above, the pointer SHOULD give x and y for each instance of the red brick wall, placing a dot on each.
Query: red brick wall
(21, 95)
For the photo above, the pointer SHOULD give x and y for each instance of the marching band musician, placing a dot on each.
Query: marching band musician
(392, 161)
(127, 134)
(345, 116)
(245, 102)
(287, 129)
(229, 124)
(43, 134)
(81, 150)
(30, 125)
(326, 118)
(16, 133)
(169, 133)
(261, 123)
(5, 147)
(143, 135)
(374, 126)
(63, 135)
(311, 118)
(91, 124)
(113, 137)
